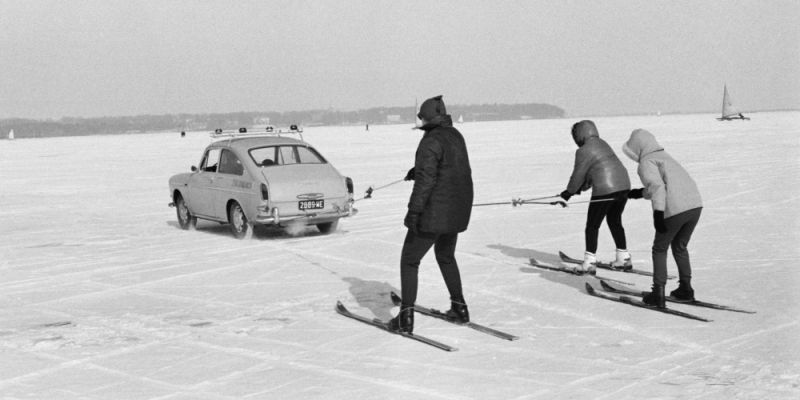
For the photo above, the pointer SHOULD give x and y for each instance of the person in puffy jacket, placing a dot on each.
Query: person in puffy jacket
(438, 210)
(676, 210)
(598, 168)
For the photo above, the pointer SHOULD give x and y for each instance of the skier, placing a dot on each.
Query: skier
(438, 210)
(676, 210)
(597, 167)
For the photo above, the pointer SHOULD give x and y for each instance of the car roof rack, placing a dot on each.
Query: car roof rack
(268, 130)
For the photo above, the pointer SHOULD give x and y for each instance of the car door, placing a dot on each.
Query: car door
(231, 182)
(202, 193)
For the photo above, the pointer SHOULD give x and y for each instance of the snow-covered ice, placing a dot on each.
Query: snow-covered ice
(102, 296)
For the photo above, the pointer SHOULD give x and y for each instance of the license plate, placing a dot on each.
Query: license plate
(311, 204)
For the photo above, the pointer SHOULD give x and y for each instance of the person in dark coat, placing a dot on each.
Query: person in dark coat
(438, 210)
(598, 167)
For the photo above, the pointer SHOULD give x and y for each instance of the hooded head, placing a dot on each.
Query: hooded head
(582, 131)
(432, 110)
(640, 144)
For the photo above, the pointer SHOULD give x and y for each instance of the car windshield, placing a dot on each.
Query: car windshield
(285, 155)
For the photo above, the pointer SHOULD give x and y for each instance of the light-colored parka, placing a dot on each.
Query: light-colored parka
(666, 183)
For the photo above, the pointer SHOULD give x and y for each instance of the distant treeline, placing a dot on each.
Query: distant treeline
(69, 126)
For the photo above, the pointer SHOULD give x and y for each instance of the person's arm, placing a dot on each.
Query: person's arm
(577, 181)
(426, 167)
(654, 187)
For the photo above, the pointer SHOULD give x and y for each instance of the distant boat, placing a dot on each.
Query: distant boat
(11, 135)
(729, 112)
(460, 119)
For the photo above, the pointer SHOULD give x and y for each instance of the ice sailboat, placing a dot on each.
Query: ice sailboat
(729, 112)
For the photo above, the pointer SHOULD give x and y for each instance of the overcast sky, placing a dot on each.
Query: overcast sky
(95, 58)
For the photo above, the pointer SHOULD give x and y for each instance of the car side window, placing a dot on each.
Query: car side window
(285, 155)
(309, 156)
(288, 155)
(264, 156)
(211, 160)
(230, 164)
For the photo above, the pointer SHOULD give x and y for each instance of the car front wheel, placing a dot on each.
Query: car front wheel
(240, 226)
(185, 218)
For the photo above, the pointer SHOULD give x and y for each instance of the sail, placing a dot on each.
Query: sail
(460, 119)
(11, 134)
(728, 110)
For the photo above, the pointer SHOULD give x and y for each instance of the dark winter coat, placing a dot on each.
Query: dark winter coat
(443, 192)
(597, 167)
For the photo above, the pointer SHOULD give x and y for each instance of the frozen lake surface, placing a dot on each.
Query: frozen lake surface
(102, 296)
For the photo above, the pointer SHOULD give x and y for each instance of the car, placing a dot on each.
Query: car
(273, 177)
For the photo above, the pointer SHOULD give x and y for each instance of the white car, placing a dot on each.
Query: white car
(268, 178)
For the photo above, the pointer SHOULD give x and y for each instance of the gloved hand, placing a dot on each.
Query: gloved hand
(565, 195)
(636, 193)
(410, 175)
(658, 221)
(412, 221)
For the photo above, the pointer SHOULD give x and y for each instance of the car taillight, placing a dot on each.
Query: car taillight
(349, 183)
(264, 192)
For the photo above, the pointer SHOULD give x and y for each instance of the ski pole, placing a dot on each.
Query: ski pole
(512, 202)
(368, 192)
(591, 201)
(561, 203)
(542, 198)
(519, 202)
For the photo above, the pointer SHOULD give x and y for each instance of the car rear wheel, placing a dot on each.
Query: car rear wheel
(185, 218)
(328, 227)
(240, 226)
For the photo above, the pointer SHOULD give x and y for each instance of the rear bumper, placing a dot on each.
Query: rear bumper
(274, 216)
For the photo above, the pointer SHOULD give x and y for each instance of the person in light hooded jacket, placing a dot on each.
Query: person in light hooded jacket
(598, 167)
(676, 210)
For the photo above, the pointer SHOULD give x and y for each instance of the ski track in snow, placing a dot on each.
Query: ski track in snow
(102, 296)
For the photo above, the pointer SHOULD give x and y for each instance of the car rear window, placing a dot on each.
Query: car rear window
(285, 155)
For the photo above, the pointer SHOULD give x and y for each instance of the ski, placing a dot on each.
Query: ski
(438, 314)
(639, 303)
(341, 309)
(607, 266)
(697, 303)
(537, 264)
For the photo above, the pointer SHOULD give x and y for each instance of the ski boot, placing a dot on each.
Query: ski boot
(588, 265)
(404, 321)
(656, 297)
(684, 293)
(623, 261)
(458, 311)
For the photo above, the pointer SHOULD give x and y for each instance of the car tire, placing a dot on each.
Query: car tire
(240, 226)
(328, 227)
(186, 220)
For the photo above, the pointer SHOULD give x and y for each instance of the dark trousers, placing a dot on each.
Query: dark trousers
(415, 247)
(611, 211)
(679, 230)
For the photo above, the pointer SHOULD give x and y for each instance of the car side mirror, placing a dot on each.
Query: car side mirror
(194, 169)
